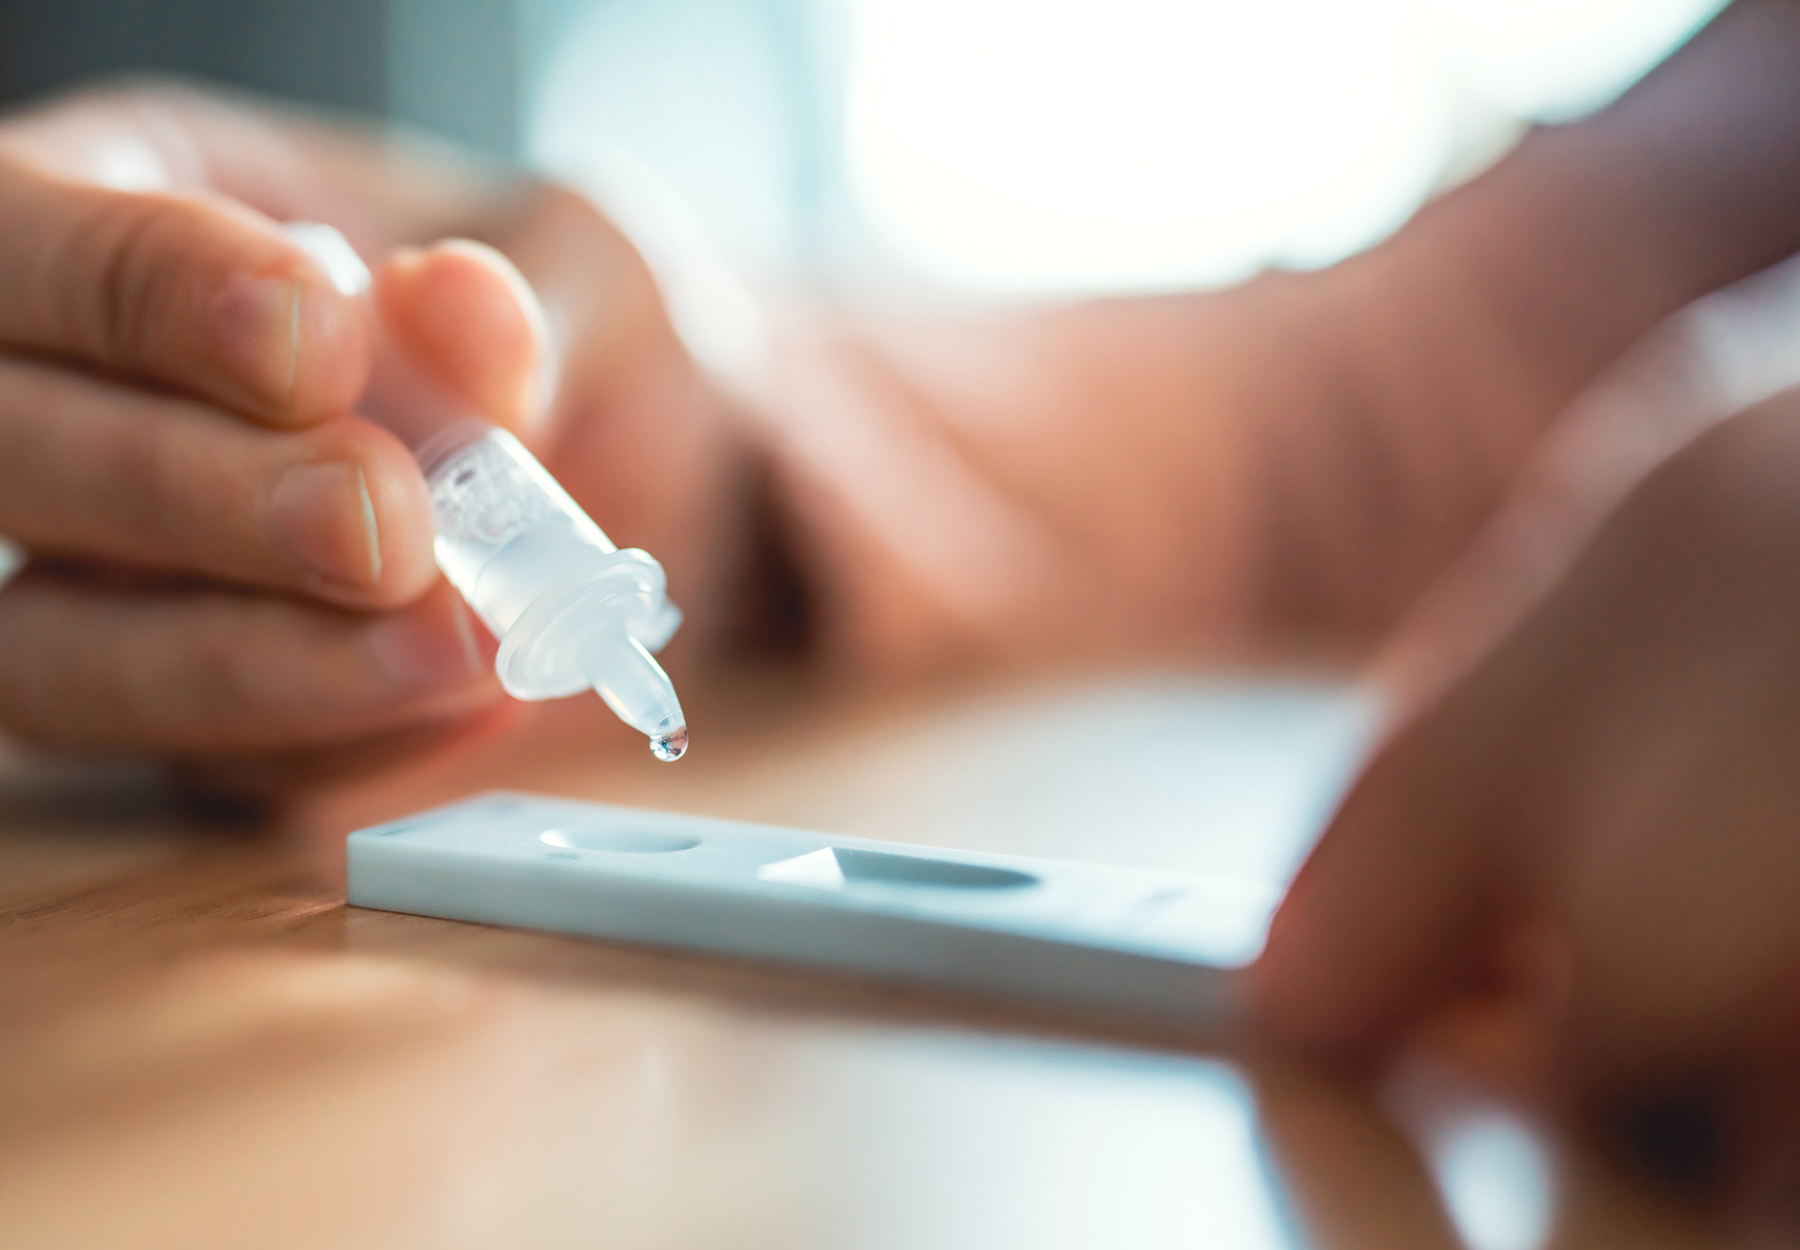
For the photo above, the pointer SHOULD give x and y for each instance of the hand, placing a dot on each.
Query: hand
(1602, 815)
(228, 563)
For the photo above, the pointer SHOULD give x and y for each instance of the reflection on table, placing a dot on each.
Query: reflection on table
(199, 1044)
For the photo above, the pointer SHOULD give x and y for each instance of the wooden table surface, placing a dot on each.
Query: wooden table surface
(200, 1044)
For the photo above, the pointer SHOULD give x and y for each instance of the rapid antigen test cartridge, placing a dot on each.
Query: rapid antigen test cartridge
(1157, 947)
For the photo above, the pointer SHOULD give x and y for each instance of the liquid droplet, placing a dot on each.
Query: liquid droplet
(671, 746)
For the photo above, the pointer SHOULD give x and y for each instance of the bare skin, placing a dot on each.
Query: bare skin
(1591, 822)
(227, 561)
(1195, 475)
(1611, 790)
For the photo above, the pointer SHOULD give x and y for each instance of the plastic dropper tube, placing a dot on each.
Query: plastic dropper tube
(572, 612)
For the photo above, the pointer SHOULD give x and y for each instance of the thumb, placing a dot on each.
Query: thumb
(469, 319)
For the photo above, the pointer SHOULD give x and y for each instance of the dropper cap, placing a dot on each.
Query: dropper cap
(627, 676)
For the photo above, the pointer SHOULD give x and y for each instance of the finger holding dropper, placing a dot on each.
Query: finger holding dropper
(571, 610)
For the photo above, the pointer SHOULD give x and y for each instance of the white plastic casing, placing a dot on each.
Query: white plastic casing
(1154, 946)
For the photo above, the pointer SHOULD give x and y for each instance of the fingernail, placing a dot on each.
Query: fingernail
(549, 334)
(324, 521)
(259, 323)
(540, 393)
(331, 252)
(421, 647)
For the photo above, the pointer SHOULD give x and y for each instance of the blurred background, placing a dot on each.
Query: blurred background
(998, 148)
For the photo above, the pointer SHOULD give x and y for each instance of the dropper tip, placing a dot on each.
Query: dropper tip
(671, 746)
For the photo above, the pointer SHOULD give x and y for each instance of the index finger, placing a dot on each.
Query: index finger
(190, 290)
(1391, 906)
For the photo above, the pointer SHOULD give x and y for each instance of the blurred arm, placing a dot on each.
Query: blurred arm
(1297, 456)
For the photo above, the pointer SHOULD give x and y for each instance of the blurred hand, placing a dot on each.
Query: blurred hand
(227, 562)
(1601, 818)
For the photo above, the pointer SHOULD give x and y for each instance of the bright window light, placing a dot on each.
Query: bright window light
(1553, 59)
(1042, 146)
